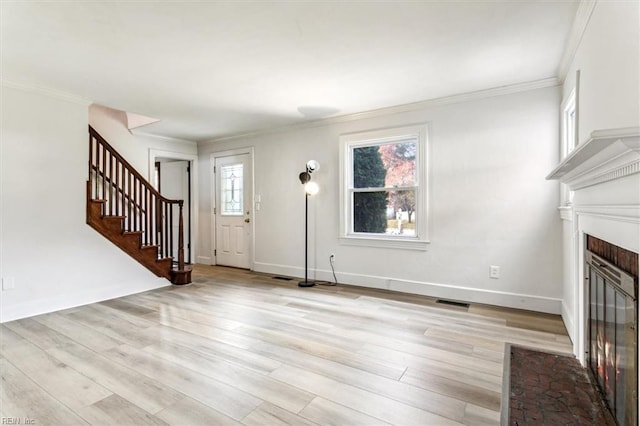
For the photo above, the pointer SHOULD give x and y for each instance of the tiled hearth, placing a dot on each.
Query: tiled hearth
(551, 389)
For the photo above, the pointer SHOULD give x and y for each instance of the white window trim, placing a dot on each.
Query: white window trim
(569, 142)
(347, 141)
(569, 138)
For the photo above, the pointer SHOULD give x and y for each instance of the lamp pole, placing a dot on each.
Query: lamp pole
(306, 282)
(309, 189)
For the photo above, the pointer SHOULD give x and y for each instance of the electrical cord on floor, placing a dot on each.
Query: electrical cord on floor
(333, 271)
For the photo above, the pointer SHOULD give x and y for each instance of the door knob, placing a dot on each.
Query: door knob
(247, 220)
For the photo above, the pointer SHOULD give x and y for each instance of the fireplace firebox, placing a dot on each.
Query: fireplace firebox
(612, 331)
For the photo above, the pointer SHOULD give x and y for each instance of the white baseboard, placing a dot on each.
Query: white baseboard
(567, 317)
(274, 269)
(445, 291)
(204, 260)
(64, 301)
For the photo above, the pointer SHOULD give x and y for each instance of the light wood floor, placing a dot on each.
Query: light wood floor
(243, 348)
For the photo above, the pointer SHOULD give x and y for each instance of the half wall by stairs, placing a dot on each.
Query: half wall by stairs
(125, 208)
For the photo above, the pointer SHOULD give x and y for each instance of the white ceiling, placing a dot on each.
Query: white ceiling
(220, 68)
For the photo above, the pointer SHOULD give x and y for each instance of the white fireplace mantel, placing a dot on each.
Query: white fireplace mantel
(604, 174)
(607, 155)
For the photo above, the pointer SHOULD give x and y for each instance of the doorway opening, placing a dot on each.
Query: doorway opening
(174, 175)
(173, 181)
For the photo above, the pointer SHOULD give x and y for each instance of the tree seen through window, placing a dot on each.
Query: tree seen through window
(384, 188)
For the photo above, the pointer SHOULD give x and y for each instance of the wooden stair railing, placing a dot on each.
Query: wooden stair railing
(126, 209)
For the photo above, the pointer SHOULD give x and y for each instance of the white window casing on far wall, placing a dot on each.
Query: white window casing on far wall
(384, 188)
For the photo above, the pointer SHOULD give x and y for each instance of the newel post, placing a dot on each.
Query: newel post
(180, 239)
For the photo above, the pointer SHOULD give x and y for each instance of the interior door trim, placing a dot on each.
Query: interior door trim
(212, 161)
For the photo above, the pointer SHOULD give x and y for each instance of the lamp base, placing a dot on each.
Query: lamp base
(306, 284)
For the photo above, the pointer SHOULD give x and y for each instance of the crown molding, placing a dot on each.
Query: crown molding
(415, 106)
(578, 28)
(46, 91)
(136, 132)
(453, 99)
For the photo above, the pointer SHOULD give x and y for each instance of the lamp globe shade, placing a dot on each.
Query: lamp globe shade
(311, 188)
(313, 166)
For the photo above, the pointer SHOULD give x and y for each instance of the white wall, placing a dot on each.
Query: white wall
(608, 57)
(609, 62)
(55, 259)
(489, 203)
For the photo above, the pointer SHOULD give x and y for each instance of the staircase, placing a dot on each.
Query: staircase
(129, 212)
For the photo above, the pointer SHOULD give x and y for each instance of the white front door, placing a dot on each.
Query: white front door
(233, 210)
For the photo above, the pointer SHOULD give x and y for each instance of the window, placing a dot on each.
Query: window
(383, 185)
(569, 138)
(569, 121)
(232, 204)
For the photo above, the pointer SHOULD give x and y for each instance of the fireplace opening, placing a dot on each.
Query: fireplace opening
(612, 327)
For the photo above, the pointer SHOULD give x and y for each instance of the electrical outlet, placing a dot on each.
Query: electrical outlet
(8, 283)
(332, 257)
(494, 271)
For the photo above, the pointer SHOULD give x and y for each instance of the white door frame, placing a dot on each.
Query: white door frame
(193, 207)
(252, 224)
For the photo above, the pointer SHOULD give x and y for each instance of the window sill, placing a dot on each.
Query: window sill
(389, 242)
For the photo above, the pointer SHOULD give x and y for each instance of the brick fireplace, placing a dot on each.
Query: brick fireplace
(611, 285)
(603, 175)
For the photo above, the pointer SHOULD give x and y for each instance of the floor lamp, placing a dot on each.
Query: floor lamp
(310, 188)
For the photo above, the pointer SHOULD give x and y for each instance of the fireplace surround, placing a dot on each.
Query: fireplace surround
(603, 173)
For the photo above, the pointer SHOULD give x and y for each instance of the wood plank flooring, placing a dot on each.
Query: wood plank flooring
(238, 347)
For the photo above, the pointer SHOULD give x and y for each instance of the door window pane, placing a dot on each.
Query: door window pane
(232, 204)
